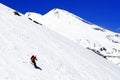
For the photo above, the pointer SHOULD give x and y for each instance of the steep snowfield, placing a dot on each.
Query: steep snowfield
(89, 35)
(59, 58)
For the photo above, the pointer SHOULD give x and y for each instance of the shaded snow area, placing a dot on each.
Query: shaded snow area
(95, 38)
(59, 57)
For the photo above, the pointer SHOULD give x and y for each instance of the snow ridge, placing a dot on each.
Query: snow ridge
(59, 57)
(84, 33)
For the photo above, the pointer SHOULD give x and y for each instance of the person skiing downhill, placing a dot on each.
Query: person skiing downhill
(33, 60)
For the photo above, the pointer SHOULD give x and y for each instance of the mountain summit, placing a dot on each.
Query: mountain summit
(95, 38)
(58, 57)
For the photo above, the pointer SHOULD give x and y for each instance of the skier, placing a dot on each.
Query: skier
(33, 59)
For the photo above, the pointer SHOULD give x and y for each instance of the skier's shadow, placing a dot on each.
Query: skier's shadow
(37, 67)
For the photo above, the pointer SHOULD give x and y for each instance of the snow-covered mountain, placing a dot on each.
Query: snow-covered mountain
(102, 41)
(59, 57)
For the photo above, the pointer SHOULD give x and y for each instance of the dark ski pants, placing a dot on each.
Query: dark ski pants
(34, 63)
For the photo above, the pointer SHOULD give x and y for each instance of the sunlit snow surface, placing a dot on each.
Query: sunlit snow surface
(59, 57)
(82, 32)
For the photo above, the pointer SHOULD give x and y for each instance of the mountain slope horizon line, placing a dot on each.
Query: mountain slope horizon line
(93, 37)
(59, 57)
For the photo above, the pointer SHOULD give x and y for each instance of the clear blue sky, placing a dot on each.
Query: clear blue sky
(105, 13)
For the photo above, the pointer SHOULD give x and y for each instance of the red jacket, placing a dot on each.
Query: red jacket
(33, 58)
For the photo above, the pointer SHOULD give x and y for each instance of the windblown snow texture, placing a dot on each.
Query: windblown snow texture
(93, 37)
(59, 57)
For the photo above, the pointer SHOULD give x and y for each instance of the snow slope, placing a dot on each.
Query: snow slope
(59, 57)
(91, 36)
